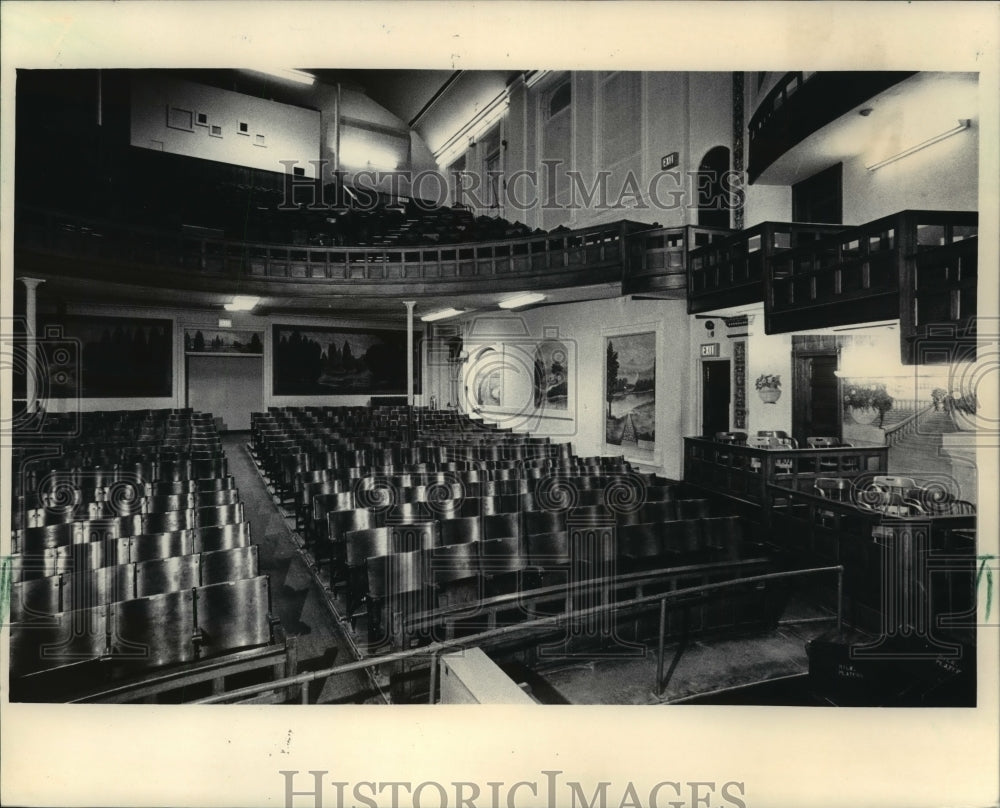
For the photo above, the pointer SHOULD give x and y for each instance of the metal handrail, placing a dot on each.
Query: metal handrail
(528, 627)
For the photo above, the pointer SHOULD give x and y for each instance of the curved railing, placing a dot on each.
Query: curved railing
(543, 257)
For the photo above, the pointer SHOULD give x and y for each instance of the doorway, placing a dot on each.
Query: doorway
(230, 387)
(714, 202)
(715, 397)
(815, 395)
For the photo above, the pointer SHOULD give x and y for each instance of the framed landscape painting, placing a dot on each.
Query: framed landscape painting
(630, 393)
(106, 357)
(316, 360)
(222, 341)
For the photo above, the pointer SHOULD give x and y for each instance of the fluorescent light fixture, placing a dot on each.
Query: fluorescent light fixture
(963, 124)
(532, 77)
(242, 303)
(525, 299)
(291, 74)
(441, 315)
(482, 122)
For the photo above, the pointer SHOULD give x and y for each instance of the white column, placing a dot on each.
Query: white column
(409, 350)
(31, 330)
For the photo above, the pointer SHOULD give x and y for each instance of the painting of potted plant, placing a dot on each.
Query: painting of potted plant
(768, 387)
(866, 402)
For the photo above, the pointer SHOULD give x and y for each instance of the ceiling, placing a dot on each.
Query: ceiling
(403, 92)
(369, 309)
(901, 116)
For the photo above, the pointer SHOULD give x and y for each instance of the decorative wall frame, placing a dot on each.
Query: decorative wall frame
(739, 385)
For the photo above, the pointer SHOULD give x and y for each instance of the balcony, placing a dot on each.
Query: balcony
(730, 271)
(44, 240)
(939, 298)
(799, 105)
(658, 259)
(916, 265)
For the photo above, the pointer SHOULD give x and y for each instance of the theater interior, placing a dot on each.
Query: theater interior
(345, 386)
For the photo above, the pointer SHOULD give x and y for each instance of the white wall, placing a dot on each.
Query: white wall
(290, 132)
(583, 328)
(190, 318)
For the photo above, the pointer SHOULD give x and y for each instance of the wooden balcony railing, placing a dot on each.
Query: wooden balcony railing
(658, 259)
(939, 293)
(548, 259)
(867, 272)
(745, 473)
(731, 271)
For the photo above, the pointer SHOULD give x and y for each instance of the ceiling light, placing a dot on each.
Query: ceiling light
(521, 300)
(441, 315)
(963, 124)
(299, 76)
(242, 303)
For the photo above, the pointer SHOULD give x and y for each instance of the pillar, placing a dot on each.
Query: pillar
(409, 350)
(31, 331)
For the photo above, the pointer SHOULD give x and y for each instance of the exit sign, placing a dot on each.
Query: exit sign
(668, 161)
(710, 349)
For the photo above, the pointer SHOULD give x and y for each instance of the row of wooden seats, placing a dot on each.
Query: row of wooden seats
(474, 497)
(312, 499)
(32, 540)
(96, 550)
(38, 477)
(76, 505)
(37, 598)
(144, 633)
(384, 573)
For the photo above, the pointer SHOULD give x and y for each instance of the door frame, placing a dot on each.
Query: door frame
(701, 392)
(801, 389)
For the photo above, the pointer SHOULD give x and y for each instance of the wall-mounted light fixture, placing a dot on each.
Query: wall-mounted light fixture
(441, 315)
(963, 124)
(517, 301)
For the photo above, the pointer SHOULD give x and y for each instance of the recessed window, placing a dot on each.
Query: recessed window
(202, 119)
(298, 171)
(244, 128)
(258, 140)
(560, 99)
(215, 131)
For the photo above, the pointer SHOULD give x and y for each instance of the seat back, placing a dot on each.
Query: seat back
(460, 530)
(222, 537)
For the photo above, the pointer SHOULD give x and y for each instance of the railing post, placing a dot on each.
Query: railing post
(840, 599)
(659, 648)
(433, 687)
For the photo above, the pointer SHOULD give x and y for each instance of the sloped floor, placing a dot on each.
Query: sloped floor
(295, 596)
